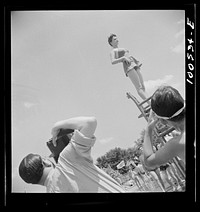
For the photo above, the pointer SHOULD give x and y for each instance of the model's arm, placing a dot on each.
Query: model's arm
(134, 60)
(86, 125)
(118, 60)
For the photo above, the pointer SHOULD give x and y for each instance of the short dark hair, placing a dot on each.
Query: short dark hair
(31, 168)
(110, 38)
(166, 101)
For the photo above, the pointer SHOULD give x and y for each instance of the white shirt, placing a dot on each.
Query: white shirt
(75, 171)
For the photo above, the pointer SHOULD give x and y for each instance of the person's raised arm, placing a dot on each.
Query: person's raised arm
(86, 125)
(170, 149)
(147, 145)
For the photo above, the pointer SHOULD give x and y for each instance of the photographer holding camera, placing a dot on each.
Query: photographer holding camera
(74, 171)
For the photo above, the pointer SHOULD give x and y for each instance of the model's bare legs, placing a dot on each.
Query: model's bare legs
(134, 77)
(140, 78)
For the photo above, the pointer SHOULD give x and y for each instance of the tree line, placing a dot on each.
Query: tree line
(113, 157)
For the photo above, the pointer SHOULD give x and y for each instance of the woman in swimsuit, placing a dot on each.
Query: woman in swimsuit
(130, 64)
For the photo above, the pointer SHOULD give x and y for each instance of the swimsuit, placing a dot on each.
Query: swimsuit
(127, 67)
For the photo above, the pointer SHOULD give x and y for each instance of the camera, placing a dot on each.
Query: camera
(63, 138)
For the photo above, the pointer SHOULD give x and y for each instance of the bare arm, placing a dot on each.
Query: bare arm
(118, 60)
(171, 149)
(147, 145)
(135, 61)
(86, 125)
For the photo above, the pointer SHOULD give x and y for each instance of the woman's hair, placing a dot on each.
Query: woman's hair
(110, 38)
(31, 168)
(166, 101)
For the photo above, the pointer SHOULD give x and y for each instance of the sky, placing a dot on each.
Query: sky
(61, 68)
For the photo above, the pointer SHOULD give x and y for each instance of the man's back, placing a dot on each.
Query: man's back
(75, 171)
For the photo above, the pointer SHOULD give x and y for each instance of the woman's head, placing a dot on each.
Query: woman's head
(112, 40)
(168, 104)
(31, 168)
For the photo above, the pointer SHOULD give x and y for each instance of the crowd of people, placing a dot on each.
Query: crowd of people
(165, 178)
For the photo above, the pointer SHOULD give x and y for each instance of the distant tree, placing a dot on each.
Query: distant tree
(114, 156)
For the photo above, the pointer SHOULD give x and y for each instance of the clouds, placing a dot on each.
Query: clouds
(152, 85)
(179, 48)
(62, 69)
(29, 104)
(106, 140)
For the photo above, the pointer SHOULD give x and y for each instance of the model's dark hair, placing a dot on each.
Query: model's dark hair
(166, 101)
(110, 38)
(31, 168)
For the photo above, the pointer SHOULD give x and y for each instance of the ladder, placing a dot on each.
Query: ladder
(160, 132)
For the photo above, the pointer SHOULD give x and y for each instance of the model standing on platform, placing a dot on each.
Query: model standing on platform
(130, 64)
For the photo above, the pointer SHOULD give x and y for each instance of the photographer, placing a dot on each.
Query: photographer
(167, 106)
(75, 171)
